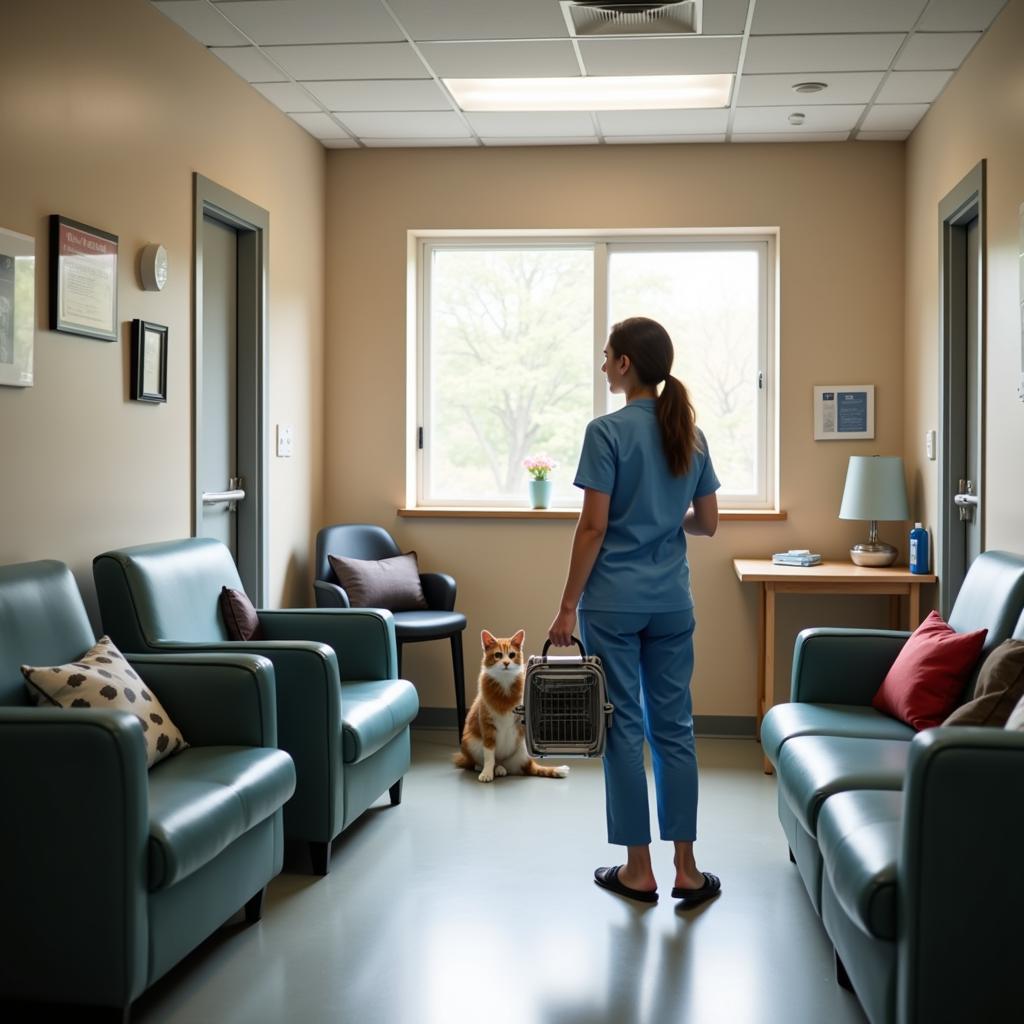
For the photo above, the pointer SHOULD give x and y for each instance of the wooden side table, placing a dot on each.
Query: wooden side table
(826, 578)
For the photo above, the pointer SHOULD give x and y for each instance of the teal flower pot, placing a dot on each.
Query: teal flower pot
(540, 493)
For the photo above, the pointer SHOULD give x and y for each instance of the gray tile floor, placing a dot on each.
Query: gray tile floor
(475, 903)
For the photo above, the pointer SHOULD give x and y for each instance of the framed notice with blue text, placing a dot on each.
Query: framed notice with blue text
(844, 412)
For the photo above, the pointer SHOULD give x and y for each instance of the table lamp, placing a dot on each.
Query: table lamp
(875, 489)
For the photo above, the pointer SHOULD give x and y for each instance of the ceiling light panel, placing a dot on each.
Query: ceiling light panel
(348, 61)
(654, 92)
(269, 22)
(936, 51)
(201, 21)
(389, 95)
(779, 54)
(538, 59)
(793, 17)
(471, 19)
(913, 86)
(773, 90)
(653, 56)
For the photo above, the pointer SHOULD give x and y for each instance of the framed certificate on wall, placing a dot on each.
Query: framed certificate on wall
(17, 308)
(83, 279)
(844, 412)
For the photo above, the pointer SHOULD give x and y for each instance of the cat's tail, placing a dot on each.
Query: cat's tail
(532, 768)
(462, 760)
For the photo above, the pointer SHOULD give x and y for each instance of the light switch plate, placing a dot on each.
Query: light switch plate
(285, 441)
(929, 444)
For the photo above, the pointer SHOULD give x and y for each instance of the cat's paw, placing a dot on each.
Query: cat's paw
(562, 771)
(486, 776)
(500, 770)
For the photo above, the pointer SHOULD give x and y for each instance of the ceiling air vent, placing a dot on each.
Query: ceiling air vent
(623, 19)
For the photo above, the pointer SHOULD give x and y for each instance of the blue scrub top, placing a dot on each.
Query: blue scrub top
(642, 565)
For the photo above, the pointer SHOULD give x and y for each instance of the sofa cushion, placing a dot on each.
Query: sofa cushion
(373, 713)
(392, 583)
(859, 836)
(784, 721)
(101, 678)
(812, 768)
(205, 798)
(240, 617)
(928, 677)
(1000, 686)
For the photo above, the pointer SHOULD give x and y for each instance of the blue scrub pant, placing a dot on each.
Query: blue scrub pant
(648, 664)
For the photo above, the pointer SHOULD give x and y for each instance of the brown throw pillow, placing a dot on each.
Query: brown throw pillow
(240, 618)
(1000, 687)
(392, 583)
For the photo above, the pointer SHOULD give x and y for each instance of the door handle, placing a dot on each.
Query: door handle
(966, 501)
(230, 497)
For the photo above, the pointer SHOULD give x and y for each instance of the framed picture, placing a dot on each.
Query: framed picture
(17, 308)
(844, 412)
(149, 361)
(83, 279)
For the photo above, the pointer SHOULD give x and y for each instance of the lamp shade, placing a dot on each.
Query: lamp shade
(875, 488)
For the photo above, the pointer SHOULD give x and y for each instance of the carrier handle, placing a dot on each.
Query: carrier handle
(574, 640)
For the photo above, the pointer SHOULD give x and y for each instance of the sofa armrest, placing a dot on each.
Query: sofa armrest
(214, 699)
(362, 638)
(439, 590)
(74, 804)
(843, 666)
(330, 595)
(960, 878)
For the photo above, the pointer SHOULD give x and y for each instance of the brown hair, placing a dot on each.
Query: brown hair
(650, 351)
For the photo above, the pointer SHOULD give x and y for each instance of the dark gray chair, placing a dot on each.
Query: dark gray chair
(438, 622)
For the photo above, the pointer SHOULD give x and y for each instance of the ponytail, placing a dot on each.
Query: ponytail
(649, 348)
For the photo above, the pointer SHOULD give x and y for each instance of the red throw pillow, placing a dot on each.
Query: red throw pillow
(928, 676)
(240, 618)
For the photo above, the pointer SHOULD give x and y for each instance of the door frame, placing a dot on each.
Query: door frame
(252, 225)
(964, 203)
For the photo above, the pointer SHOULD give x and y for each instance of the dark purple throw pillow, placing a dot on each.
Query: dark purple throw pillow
(240, 618)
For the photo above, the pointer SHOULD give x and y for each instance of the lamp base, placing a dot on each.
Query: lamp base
(873, 554)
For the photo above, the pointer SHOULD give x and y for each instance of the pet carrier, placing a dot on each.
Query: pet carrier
(564, 710)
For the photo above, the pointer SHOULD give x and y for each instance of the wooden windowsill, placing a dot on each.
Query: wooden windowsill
(740, 515)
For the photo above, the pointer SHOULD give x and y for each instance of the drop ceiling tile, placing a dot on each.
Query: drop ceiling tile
(288, 97)
(960, 15)
(541, 59)
(724, 18)
(935, 51)
(777, 90)
(408, 125)
(767, 54)
(321, 125)
(536, 124)
(592, 140)
(790, 136)
(411, 143)
(388, 95)
(248, 62)
(340, 143)
(201, 21)
(652, 56)
(894, 117)
(913, 86)
(646, 140)
(312, 21)
(796, 16)
(473, 19)
(816, 119)
(343, 61)
(882, 136)
(662, 122)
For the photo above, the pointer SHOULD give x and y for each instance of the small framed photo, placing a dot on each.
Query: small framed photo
(149, 361)
(83, 279)
(17, 308)
(844, 412)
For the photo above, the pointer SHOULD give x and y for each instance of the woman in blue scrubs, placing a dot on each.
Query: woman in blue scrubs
(647, 481)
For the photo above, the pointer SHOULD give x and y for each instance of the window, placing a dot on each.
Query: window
(510, 338)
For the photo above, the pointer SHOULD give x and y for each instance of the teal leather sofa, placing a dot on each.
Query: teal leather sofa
(342, 712)
(910, 845)
(110, 874)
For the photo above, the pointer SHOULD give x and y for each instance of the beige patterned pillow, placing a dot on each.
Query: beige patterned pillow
(101, 678)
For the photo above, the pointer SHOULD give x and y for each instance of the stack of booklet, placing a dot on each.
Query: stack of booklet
(796, 556)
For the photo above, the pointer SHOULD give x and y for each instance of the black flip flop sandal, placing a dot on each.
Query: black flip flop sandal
(608, 878)
(712, 887)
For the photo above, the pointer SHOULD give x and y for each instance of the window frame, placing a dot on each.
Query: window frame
(603, 245)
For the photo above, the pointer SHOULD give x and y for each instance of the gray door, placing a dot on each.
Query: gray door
(229, 400)
(961, 473)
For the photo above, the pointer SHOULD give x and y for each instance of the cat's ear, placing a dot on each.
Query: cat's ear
(519, 638)
(487, 639)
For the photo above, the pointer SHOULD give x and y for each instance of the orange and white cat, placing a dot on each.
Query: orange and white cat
(493, 740)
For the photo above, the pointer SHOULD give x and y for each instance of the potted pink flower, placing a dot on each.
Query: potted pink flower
(539, 467)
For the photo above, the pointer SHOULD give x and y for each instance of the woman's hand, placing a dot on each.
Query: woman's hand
(561, 630)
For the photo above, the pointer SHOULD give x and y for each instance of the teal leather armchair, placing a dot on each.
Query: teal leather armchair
(909, 844)
(109, 873)
(342, 712)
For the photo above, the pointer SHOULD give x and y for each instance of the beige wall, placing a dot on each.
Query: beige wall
(106, 110)
(840, 211)
(979, 116)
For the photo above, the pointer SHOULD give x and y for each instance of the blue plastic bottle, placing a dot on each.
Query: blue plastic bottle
(919, 549)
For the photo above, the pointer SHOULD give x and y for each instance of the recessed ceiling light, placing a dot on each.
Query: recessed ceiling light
(637, 92)
(810, 86)
(797, 118)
